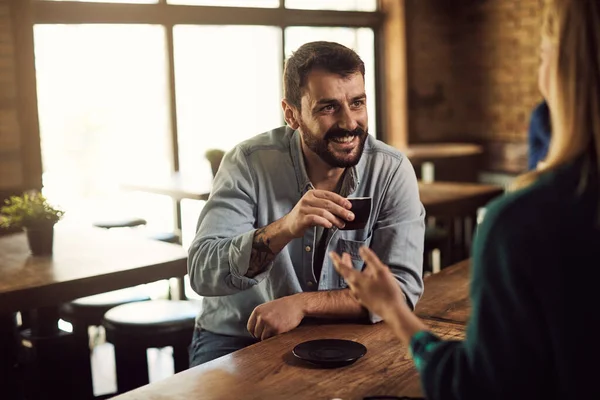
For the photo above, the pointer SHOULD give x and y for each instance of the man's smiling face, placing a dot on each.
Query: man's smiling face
(333, 118)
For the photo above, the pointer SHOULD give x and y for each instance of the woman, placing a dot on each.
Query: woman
(536, 256)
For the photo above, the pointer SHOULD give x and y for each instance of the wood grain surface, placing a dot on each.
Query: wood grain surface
(86, 261)
(446, 295)
(268, 370)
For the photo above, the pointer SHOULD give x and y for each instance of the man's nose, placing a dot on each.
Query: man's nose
(346, 120)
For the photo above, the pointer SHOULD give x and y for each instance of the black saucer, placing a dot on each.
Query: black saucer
(330, 353)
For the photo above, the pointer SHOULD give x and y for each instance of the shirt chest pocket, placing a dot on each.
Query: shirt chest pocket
(352, 247)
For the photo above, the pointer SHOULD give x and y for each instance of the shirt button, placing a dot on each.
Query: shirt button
(307, 248)
(309, 283)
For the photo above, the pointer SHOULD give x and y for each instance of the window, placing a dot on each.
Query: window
(339, 5)
(103, 108)
(228, 3)
(112, 1)
(139, 90)
(228, 88)
(225, 99)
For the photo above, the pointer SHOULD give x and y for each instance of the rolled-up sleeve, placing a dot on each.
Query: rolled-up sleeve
(398, 235)
(219, 255)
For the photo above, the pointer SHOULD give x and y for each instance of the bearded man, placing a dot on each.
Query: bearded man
(279, 205)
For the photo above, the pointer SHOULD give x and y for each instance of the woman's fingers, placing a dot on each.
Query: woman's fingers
(343, 266)
(340, 263)
(371, 259)
(347, 260)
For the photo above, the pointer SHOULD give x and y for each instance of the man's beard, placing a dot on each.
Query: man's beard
(321, 146)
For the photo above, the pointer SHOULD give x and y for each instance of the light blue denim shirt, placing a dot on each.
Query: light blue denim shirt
(259, 182)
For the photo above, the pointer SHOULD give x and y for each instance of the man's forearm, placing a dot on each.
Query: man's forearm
(331, 304)
(267, 243)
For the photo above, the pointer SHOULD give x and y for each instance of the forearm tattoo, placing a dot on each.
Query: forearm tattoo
(261, 255)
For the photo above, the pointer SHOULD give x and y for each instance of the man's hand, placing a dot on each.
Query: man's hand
(318, 208)
(276, 317)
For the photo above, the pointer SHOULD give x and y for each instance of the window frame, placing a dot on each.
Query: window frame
(169, 15)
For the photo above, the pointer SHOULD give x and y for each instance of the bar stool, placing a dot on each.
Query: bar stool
(89, 311)
(133, 328)
(168, 237)
(53, 363)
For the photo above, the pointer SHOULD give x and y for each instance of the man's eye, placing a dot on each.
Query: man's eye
(329, 107)
(358, 103)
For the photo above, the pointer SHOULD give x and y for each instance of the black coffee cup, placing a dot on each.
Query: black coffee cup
(361, 208)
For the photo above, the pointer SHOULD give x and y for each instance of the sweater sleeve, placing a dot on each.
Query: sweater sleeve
(505, 352)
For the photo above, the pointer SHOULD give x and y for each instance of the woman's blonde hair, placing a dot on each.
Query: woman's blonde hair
(574, 92)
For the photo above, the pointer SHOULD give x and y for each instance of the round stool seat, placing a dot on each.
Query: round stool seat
(133, 328)
(120, 223)
(91, 309)
(169, 237)
(151, 318)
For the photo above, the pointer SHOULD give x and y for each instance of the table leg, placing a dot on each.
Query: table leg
(8, 357)
(180, 284)
(177, 288)
(178, 220)
(457, 241)
(470, 226)
(44, 321)
(55, 363)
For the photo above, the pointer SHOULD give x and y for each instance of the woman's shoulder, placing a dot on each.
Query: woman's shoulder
(528, 204)
(539, 209)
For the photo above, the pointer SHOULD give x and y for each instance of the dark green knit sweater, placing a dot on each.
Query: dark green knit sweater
(535, 295)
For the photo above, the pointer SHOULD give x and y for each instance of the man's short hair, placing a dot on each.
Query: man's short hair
(329, 56)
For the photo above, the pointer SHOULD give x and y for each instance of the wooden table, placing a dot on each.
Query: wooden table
(446, 295)
(176, 186)
(268, 370)
(452, 199)
(436, 151)
(86, 261)
(446, 161)
(454, 206)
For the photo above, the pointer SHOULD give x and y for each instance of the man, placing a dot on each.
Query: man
(278, 206)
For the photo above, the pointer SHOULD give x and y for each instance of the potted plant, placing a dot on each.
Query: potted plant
(32, 212)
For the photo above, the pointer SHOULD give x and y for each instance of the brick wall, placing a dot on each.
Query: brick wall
(11, 168)
(472, 74)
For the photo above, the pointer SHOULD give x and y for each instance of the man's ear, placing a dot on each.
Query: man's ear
(290, 114)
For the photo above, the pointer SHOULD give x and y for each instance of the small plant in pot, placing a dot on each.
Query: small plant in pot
(32, 212)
